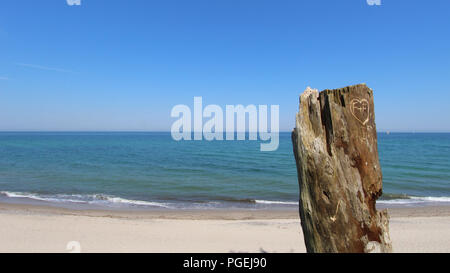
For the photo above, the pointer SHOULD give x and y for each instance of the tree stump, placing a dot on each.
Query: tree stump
(339, 173)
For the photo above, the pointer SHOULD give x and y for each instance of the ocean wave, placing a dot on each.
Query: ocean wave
(62, 198)
(254, 201)
(119, 200)
(115, 201)
(89, 199)
(415, 200)
(275, 202)
(403, 199)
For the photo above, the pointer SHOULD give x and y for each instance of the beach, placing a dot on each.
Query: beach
(29, 228)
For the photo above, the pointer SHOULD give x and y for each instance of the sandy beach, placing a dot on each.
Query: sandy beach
(26, 228)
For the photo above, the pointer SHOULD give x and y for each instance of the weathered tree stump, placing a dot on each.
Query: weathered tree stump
(339, 174)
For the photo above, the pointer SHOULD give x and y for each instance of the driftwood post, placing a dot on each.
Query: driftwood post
(339, 174)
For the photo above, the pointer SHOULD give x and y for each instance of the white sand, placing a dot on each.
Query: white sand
(25, 230)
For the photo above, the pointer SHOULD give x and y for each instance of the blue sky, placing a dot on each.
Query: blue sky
(123, 64)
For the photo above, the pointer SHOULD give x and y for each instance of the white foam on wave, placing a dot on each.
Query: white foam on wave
(400, 201)
(275, 202)
(83, 199)
(416, 200)
(40, 198)
(118, 200)
(108, 200)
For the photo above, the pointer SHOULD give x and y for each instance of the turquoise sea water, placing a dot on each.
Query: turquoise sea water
(150, 170)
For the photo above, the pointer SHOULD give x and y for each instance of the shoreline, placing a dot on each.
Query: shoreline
(180, 214)
(255, 210)
(208, 214)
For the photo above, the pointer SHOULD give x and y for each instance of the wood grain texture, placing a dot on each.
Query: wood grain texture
(339, 173)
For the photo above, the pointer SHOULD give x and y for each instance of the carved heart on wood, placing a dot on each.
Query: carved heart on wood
(360, 110)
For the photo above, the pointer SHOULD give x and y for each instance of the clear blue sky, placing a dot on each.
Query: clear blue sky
(123, 64)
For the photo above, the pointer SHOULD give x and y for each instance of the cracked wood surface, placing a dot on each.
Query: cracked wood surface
(339, 174)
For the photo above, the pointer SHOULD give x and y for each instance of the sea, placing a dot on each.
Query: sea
(143, 171)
